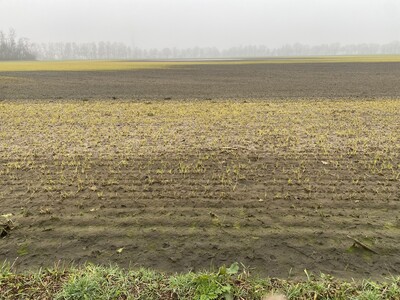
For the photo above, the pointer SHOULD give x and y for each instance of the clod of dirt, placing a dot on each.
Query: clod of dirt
(212, 215)
(358, 244)
(6, 228)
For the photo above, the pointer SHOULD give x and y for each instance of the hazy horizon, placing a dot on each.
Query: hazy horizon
(204, 23)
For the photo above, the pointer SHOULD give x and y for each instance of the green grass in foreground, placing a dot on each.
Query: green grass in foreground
(104, 65)
(94, 282)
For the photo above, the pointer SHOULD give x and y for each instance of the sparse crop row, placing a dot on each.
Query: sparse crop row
(63, 140)
(349, 150)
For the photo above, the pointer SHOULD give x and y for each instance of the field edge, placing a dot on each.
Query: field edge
(234, 282)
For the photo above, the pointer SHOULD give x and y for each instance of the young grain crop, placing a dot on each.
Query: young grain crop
(230, 178)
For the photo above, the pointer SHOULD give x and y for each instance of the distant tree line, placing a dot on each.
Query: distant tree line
(13, 48)
(108, 50)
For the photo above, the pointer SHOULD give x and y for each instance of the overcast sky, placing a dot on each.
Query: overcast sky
(188, 23)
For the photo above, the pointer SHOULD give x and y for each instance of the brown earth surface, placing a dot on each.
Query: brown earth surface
(280, 186)
(311, 80)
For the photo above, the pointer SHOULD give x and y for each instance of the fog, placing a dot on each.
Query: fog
(204, 23)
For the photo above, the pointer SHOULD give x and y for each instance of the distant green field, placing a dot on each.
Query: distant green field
(79, 65)
(85, 65)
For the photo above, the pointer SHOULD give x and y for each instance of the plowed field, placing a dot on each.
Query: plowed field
(204, 81)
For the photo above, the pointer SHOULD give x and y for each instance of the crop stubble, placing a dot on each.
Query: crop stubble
(176, 185)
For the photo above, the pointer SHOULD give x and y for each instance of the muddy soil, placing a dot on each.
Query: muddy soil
(316, 80)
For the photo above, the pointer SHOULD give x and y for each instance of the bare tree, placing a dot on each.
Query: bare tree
(12, 48)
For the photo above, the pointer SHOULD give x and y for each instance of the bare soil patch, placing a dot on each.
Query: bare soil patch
(313, 80)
